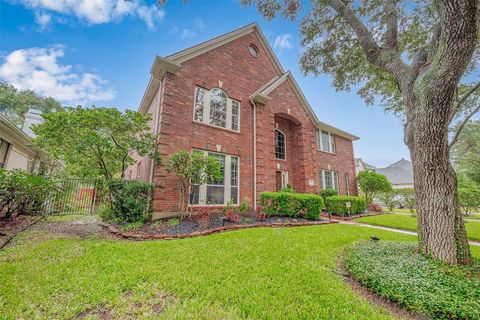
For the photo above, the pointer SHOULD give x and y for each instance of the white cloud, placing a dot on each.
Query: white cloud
(43, 19)
(187, 33)
(199, 23)
(99, 11)
(283, 41)
(38, 69)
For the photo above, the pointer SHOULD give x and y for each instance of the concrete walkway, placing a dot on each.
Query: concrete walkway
(412, 233)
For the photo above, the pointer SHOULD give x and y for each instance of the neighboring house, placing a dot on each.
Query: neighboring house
(16, 151)
(361, 165)
(230, 98)
(400, 173)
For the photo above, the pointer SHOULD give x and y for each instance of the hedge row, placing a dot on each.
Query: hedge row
(301, 205)
(336, 205)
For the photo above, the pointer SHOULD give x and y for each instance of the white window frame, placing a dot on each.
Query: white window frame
(334, 177)
(284, 179)
(227, 182)
(331, 142)
(285, 145)
(206, 109)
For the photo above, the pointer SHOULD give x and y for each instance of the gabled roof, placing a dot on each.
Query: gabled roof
(397, 175)
(172, 62)
(261, 95)
(365, 165)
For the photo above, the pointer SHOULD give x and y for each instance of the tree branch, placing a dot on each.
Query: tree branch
(468, 94)
(391, 36)
(388, 60)
(459, 129)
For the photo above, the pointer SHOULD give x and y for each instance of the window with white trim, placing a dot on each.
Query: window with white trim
(4, 146)
(220, 191)
(326, 141)
(328, 179)
(280, 145)
(214, 107)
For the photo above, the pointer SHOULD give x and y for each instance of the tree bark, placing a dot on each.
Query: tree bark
(441, 227)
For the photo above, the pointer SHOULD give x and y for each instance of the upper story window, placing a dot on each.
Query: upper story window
(214, 107)
(280, 145)
(326, 141)
(4, 146)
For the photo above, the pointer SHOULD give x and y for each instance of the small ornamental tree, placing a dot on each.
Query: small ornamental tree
(408, 198)
(469, 199)
(389, 199)
(372, 183)
(192, 168)
(96, 142)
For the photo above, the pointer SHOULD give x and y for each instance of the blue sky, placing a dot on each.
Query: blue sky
(102, 55)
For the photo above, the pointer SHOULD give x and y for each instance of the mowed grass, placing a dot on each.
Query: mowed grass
(404, 222)
(284, 273)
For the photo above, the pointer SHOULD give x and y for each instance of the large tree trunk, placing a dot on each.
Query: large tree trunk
(441, 227)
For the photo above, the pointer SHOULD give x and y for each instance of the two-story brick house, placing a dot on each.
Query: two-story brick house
(230, 97)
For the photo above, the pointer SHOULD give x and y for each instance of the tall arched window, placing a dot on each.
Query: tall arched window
(280, 145)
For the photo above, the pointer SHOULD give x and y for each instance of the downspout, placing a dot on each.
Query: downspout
(254, 154)
(157, 121)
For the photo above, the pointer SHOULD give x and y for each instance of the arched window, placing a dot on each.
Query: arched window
(280, 145)
(214, 107)
(218, 107)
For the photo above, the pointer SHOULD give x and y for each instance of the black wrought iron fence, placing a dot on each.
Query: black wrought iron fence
(74, 196)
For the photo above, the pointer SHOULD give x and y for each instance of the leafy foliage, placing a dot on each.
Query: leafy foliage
(469, 200)
(328, 192)
(131, 200)
(245, 205)
(289, 204)
(95, 142)
(396, 271)
(389, 199)
(15, 103)
(337, 205)
(372, 183)
(22, 192)
(466, 152)
(192, 168)
(407, 196)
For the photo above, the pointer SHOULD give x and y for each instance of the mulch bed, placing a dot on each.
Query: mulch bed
(192, 227)
(324, 215)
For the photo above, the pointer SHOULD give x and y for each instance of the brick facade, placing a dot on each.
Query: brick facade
(232, 68)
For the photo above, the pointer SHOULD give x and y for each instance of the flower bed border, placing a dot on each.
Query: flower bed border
(152, 236)
(348, 218)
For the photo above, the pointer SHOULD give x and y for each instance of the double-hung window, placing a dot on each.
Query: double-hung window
(4, 146)
(215, 108)
(219, 192)
(328, 179)
(326, 141)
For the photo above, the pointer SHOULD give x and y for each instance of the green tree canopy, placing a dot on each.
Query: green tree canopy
(372, 183)
(466, 152)
(15, 103)
(96, 142)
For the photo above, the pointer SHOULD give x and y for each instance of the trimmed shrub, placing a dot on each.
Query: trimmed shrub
(22, 192)
(301, 205)
(329, 192)
(374, 207)
(336, 205)
(130, 200)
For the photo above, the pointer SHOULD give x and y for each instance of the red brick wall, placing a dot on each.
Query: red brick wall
(241, 75)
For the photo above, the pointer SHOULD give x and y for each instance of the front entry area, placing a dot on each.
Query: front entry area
(281, 179)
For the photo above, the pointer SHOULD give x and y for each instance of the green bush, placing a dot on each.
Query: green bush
(288, 189)
(396, 271)
(22, 192)
(329, 192)
(301, 205)
(469, 199)
(245, 205)
(336, 205)
(130, 201)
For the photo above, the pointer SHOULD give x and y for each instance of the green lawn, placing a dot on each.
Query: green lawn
(404, 222)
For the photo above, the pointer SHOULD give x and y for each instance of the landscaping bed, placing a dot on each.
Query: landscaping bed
(10, 227)
(325, 215)
(195, 226)
(396, 271)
